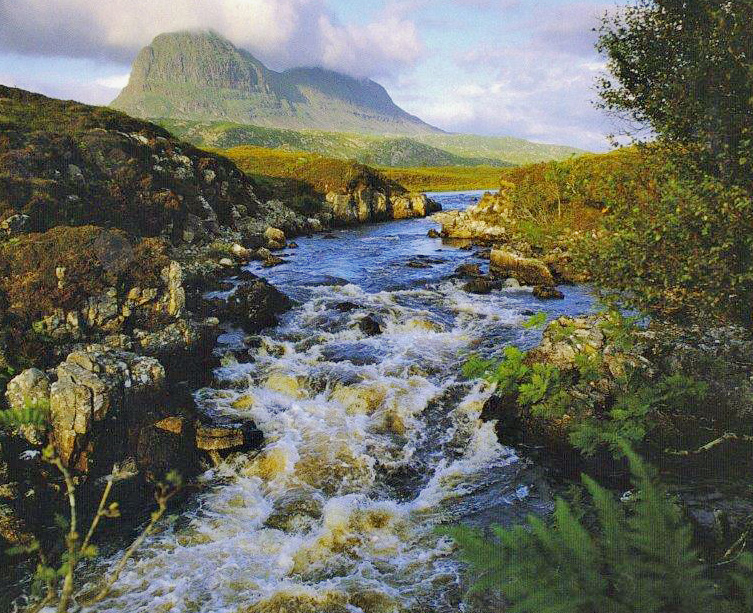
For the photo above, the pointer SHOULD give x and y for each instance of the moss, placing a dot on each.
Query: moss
(94, 259)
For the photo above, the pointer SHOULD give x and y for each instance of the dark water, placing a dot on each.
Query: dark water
(371, 441)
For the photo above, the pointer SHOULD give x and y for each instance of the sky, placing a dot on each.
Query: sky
(522, 68)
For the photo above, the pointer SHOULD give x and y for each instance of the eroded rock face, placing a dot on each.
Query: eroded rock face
(527, 271)
(487, 220)
(97, 395)
(31, 386)
(368, 205)
(559, 348)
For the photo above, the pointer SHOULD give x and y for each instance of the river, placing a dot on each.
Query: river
(371, 442)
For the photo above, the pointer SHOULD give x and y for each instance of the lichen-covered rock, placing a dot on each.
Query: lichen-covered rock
(275, 238)
(15, 225)
(486, 220)
(527, 271)
(565, 338)
(32, 386)
(97, 395)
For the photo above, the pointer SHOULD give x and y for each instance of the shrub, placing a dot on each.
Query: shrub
(686, 255)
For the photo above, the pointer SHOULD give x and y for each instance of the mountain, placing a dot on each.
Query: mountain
(203, 76)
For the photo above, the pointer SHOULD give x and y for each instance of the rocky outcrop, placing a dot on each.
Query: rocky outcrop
(527, 271)
(368, 205)
(486, 221)
(98, 395)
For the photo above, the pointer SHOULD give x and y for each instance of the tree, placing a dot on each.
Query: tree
(685, 69)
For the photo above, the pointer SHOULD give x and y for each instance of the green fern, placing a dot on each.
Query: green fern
(635, 557)
(31, 414)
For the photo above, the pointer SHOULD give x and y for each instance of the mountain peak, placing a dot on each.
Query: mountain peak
(201, 75)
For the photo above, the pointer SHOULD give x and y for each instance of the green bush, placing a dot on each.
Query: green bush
(687, 255)
(633, 556)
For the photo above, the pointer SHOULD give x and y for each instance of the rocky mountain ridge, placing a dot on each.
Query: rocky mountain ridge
(203, 76)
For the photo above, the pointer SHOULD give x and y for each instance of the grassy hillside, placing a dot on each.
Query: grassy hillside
(291, 174)
(445, 178)
(506, 149)
(413, 151)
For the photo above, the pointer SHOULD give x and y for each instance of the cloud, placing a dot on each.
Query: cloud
(281, 32)
(541, 88)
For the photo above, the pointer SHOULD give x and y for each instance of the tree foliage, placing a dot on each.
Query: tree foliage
(684, 68)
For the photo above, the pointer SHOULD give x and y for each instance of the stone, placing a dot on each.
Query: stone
(271, 261)
(262, 254)
(512, 283)
(314, 224)
(478, 286)
(468, 270)
(286, 384)
(218, 439)
(243, 403)
(433, 234)
(94, 398)
(31, 386)
(545, 292)
(275, 238)
(292, 245)
(255, 305)
(226, 262)
(15, 225)
(297, 508)
(369, 325)
(527, 271)
(172, 424)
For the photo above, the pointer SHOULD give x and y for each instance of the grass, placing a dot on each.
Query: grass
(290, 174)
(445, 178)
(409, 151)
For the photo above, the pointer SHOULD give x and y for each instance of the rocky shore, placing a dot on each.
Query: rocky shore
(111, 234)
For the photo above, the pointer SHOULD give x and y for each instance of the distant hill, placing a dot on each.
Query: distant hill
(203, 76)
(425, 150)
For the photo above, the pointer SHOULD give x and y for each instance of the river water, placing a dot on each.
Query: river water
(371, 442)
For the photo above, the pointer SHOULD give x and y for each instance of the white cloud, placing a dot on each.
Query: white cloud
(116, 82)
(542, 89)
(281, 32)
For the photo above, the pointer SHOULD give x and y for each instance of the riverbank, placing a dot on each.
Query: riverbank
(113, 237)
(675, 386)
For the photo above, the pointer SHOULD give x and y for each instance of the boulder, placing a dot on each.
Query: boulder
(97, 396)
(479, 286)
(527, 271)
(275, 238)
(433, 233)
(255, 305)
(272, 261)
(31, 386)
(546, 292)
(565, 338)
(370, 325)
(15, 225)
(468, 270)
